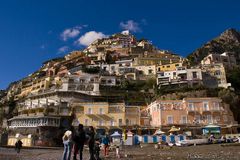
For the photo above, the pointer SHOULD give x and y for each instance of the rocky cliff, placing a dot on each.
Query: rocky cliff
(228, 41)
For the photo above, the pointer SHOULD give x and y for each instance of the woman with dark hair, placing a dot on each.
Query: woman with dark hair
(91, 142)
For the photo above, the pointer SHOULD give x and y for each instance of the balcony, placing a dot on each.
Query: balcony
(183, 122)
(191, 111)
(34, 122)
(205, 110)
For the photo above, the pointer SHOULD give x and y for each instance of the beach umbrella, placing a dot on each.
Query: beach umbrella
(174, 129)
(116, 134)
(159, 132)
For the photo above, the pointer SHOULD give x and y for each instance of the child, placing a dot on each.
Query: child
(105, 141)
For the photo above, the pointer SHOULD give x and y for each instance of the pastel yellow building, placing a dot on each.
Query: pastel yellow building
(169, 67)
(107, 115)
(100, 114)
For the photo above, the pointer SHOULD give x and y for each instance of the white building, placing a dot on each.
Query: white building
(226, 58)
(179, 76)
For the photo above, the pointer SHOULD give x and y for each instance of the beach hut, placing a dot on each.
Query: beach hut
(181, 137)
(145, 138)
(129, 140)
(116, 138)
(150, 139)
(172, 138)
(136, 139)
(155, 139)
(163, 138)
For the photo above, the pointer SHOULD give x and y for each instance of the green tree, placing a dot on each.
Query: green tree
(233, 77)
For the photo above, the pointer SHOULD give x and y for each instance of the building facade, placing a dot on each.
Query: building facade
(180, 76)
(214, 76)
(190, 112)
(226, 58)
(105, 115)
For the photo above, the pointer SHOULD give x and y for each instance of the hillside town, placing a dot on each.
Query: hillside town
(117, 84)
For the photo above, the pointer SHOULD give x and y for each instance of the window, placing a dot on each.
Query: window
(169, 119)
(194, 75)
(64, 111)
(150, 71)
(176, 65)
(217, 119)
(161, 74)
(205, 106)
(190, 107)
(225, 118)
(109, 81)
(168, 66)
(217, 73)
(113, 68)
(112, 123)
(86, 122)
(209, 118)
(216, 106)
(127, 121)
(101, 111)
(120, 122)
(184, 119)
(89, 110)
(100, 122)
(197, 119)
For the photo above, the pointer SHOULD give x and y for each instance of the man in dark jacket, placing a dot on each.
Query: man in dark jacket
(79, 140)
(18, 145)
(91, 142)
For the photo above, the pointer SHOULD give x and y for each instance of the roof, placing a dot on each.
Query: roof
(212, 126)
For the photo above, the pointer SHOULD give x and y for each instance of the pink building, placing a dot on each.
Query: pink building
(190, 112)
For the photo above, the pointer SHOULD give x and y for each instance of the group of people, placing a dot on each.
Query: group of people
(76, 139)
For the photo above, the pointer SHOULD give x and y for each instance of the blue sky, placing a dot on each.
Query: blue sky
(33, 31)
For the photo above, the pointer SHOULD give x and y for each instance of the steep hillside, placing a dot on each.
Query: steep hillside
(228, 41)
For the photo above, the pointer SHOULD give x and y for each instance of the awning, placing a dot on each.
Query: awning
(105, 117)
(93, 117)
(211, 129)
(212, 126)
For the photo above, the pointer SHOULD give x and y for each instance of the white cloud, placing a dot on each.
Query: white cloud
(89, 37)
(63, 49)
(70, 33)
(131, 26)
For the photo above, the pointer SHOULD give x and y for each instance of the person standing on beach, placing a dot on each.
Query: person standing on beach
(79, 140)
(67, 142)
(106, 141)
(18, 145)
(91, 142)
